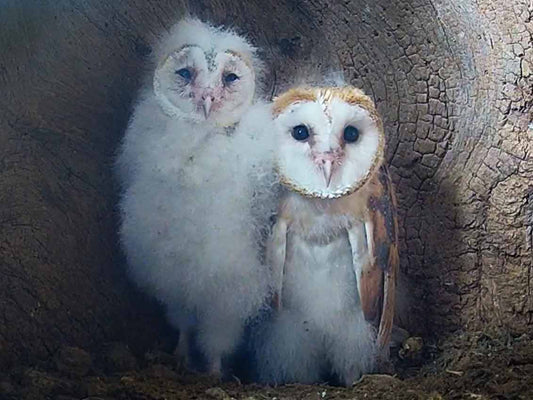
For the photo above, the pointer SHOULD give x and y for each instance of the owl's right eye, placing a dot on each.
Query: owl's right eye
(300, 132)
(185, 73)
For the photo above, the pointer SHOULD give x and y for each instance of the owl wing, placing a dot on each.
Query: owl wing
(276, 251)
(376, 274)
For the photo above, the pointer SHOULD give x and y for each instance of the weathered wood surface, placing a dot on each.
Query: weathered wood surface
(451, 78)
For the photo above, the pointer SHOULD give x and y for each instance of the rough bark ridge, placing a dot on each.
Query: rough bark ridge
(452, 79)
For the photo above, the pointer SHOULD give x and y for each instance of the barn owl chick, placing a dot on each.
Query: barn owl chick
(333, 248)
(192, 172)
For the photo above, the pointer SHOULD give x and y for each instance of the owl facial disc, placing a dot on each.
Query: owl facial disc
(204, 75)
(330, 141)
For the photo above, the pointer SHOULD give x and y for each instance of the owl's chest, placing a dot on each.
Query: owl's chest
(213, 163)
(319, 278)
(319, 243)
(322, 221)
(318, 256)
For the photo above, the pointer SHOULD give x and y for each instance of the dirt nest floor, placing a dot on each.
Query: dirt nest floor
(466, 366)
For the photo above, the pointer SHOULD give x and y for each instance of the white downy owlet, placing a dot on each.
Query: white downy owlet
(333, 250)
(192, 174)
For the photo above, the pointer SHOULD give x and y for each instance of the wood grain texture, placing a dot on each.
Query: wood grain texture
(452, 80)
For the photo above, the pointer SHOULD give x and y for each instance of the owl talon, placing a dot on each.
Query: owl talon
(181, 352)
(215, 369)
(384, 366)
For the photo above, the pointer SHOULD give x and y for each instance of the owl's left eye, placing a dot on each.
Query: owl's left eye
(351, 134)
(300, 132)
(230, 78)
(185, 73)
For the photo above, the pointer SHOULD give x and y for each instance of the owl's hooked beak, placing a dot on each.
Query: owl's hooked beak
(208, 101)
(327, 170)
(326, 161)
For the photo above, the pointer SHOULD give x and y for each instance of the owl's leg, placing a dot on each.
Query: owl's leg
(352, 349)
(214, 366)
(287, 350)
(218, 336)
(182, 351)
(185, 324)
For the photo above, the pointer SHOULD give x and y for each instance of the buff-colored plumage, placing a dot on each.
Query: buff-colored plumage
(333, 248)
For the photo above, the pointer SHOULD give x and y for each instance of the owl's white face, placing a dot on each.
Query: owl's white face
(329, 144)
(209, 77)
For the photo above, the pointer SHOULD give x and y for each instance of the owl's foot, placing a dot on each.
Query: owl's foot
(182, 352)
(398, 336)
(214, 368)
(385, 366)
(182, 361)
(383, 363)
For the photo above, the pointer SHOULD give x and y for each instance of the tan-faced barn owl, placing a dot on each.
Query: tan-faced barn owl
(333, 249)
(190, 166)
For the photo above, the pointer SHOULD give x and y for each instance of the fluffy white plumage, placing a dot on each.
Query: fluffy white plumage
(320, 329)
(329, 152)
(195, 189)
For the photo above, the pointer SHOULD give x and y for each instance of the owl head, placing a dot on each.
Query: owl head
(330, 140)
(204, 73)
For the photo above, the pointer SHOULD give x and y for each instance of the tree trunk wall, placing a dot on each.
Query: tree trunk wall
(452, 80)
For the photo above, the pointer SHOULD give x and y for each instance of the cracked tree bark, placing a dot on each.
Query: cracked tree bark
(453, 80)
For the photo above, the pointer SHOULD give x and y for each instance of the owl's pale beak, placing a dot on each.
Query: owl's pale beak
(327, 170)
(208, 101)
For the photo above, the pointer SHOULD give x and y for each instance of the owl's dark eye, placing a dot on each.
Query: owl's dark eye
(185, 73)
(230, 78)
(300, 132)
(351, 134)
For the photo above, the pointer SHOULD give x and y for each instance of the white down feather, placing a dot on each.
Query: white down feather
(195, 203)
